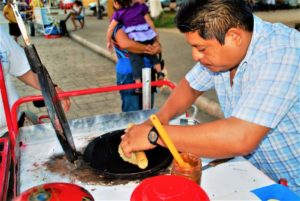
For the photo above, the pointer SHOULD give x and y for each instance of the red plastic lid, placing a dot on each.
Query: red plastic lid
(168, 188)
(55, 192)
(49, 36)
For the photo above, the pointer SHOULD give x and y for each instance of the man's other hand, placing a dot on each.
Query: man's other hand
(65, 102)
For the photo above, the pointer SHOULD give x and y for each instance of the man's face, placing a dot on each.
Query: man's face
(212, 54)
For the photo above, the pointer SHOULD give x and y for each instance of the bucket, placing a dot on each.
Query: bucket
(168, 188)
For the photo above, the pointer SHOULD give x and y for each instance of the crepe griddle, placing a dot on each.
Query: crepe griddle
(102, 154)
(53, 105)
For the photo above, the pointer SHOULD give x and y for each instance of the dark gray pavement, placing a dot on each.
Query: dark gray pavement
(87, 64)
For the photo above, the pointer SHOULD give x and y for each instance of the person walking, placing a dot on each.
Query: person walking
(8, 13)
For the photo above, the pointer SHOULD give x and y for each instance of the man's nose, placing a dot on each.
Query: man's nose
(197, 56)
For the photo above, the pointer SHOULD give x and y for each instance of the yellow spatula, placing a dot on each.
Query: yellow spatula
(166, 139)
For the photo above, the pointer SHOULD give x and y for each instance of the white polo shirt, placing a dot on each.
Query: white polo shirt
(14, 63)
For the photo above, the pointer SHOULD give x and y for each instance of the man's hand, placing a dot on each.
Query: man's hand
(153, 49)
(65, 102)
(136, 139)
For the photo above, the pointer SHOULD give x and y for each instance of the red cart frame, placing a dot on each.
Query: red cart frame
(8, 154)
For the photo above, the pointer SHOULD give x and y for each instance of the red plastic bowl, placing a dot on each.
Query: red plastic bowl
(168, 188)
(55, 192)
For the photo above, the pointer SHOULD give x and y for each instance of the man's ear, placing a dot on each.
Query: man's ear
(233, 37)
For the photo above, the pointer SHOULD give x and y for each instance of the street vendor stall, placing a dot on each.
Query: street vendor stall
(42, 160)
(57, 152)
(236, 177)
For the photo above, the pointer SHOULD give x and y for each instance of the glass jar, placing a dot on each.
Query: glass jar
(192, 172)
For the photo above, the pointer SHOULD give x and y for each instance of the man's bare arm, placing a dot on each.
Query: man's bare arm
(221, 138)
(135, 47)
(218, 139)
(31, 79)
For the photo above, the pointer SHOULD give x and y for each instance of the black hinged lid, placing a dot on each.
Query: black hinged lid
(52, 102)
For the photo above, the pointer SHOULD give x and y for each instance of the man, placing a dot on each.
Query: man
(131, 101)
(8, 13)
(15, 63)
(254, 67)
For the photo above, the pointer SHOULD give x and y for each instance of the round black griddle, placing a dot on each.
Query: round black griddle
(102, 154)
(52, 102)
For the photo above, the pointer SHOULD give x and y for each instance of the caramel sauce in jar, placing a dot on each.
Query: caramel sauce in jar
(192, 172)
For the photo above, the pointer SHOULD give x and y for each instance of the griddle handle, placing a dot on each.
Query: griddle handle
(33, 58)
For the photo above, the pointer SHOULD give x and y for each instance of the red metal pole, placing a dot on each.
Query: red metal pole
(4, 167)
(8, 116)
(11, 132)
(80, 93)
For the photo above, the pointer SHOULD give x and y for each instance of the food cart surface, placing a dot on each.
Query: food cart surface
(40, 146)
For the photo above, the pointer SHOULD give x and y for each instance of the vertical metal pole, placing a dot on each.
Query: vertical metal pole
(7, 112)
(99, 11)
(146, 73)
(11, 131)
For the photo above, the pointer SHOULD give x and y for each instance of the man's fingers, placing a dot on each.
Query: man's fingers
(66, 103)
(149, 49)
(124, 146)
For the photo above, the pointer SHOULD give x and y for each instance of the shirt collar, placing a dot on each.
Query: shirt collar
(258, 23)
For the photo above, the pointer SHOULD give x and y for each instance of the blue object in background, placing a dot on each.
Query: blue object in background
(275, 191)
(51, 30)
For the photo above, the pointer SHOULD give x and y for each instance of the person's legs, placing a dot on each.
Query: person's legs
(73, 21)
(81, 21)
(130, 100)
(157, 67)
(14, 30)
(137, 63)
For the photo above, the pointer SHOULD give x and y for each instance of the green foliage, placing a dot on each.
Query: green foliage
(165, 20)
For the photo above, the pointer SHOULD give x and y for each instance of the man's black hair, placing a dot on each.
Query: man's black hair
(213, 18)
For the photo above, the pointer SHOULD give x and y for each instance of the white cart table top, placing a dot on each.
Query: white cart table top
(230, 180)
